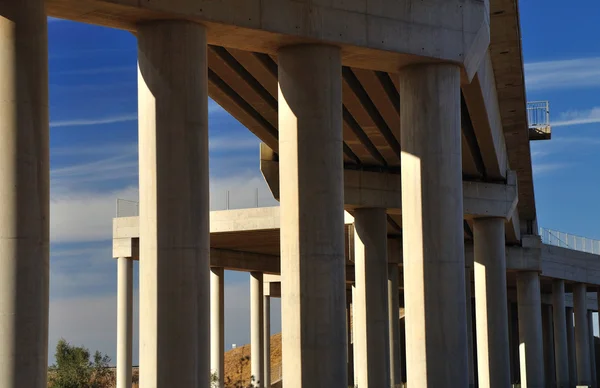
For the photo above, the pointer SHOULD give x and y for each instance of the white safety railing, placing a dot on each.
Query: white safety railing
(221, 200)
(538, 114)
(570, 241)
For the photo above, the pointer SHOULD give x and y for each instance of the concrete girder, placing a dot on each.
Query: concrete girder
(452, 31)
(383, 190)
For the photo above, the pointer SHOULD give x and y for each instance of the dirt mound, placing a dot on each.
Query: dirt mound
(237, 364)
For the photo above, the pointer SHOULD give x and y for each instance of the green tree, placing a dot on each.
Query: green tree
(74, 369)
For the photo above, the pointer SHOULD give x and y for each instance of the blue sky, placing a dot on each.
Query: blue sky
(93, 105)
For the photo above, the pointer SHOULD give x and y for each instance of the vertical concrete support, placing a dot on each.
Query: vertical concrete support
(571, 347)
(493, 359)
(513, 334)
(561, 351)
(350, 344)
(174, 208)
(24, 194)
(582, 336)
(257, 354)
(592, 348)
(548, 334)
(312, 217)
(394, 326)
(471, 343)
(124, 321)
(217, 324)
(267, 341)
(432, 226)
(372, 346)
(530, 330)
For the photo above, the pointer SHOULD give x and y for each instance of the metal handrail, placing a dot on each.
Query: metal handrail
(538, 114)
(570, 241)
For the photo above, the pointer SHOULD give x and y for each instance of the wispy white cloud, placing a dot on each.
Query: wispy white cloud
(94, 121)
(561, 74)
(578, 117)
(547, 168)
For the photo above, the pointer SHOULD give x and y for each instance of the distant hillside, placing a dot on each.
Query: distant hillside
(237, 363)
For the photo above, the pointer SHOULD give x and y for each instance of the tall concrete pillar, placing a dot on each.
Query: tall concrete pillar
(350, 344)
(548, 334)
(471, 343)
(561, 351)
(174, 205)
(312, 217)
(582, 336)
(217, 324)
(493, 358)
(372, 348)
(530, 330)
(24, 194)
(257, 354)
(394, 326)
(571, 347)
(124, 321)
(267, 341)
(432, 226)
(592, 348)
(513, 333)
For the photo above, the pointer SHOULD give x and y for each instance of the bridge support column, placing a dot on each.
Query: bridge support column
(24, 194)
(372, 348)
(124, 321)
(312, 217)
(571, 347)
(531, 355)
(582, 336)
(349, 333)
(592, 348)
(548, 335)
(257, 356)
(493, 358)
(471, 342)
(174, 205)
(394, 325)
(267, 341)
(561, 351)
(217, 324)
(432, 220)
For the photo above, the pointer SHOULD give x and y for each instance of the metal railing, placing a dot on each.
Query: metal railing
(538, 114)
(570, 241)
(222, 200)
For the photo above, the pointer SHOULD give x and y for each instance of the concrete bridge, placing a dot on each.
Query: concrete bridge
(410, 115)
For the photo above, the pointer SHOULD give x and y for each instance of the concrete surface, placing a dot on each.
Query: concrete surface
(257, 327)
(493, 359)
(266, 339)
(432, 219)
(530, 330)
(371, 314)
(561, 351)
(582, 336)
(173, 145)
(393, 286)
(312, 217)
(24, 193)
(124, 321)
(217, 324)
(571, 346)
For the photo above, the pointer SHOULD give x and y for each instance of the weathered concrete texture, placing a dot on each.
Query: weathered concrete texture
(471, 342)
(592, 348)
(548, 335)
(350, 342)
(217, 323)
(570, 265)
(257, 359)
(432, 220)
(370, 319)
(24, 194)
(582, 336)
(394, 325)
(530, 330)
(124, 321)
(266, 341)
(174, 205)
(312, 217)
(561, 350)
(571, 347)
(493, 359)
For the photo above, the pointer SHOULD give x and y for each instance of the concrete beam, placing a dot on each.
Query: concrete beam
(383, 190)
(527, 257)
(570, 265)
(454, 30)
(482, 103)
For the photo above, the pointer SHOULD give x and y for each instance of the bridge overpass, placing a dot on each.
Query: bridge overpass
(409, 115)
